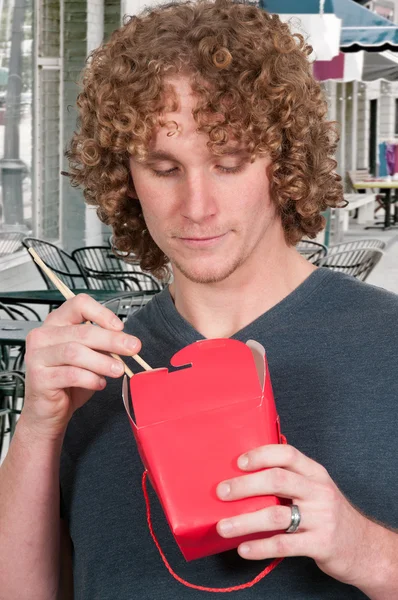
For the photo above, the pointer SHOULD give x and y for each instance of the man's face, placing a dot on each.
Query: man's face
(209, 214)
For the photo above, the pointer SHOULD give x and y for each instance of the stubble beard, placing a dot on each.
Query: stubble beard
(208, 276)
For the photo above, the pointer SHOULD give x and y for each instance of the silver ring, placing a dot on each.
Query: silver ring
(295, 519)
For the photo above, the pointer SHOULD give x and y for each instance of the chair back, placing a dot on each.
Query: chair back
(355, 244)
(312, 251)
(126, 305)
(10, 241)
(58, 261)
(358, 262)
(18, 311)
(104, 270)
(12, 391)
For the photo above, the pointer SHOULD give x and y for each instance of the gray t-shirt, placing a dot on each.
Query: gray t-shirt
(332, 352)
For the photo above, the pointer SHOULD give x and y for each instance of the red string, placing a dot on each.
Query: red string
(235, 588)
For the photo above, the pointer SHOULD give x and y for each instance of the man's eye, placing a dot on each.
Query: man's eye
(165, 173)
(230, 169)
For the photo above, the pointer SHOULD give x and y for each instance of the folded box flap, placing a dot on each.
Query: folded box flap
(219, 372)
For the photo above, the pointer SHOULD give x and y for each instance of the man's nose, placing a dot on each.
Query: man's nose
(198, 199)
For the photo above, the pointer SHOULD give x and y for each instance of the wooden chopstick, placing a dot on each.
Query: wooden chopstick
(67, 294)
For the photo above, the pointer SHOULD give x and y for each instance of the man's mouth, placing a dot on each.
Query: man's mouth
(201, 240)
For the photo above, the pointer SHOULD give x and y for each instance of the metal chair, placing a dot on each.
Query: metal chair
(104, 270)
(59, 261)
(10, 242)
(126, 305)
(358, 262)
(12, 357)
(312, 251)
(12, 392)
(355, 244)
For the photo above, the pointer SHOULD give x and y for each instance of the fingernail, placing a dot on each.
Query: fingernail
(224, 489)
(244, 549)
(131, 343)
(243, 461)
(117, 368)
(225, 526)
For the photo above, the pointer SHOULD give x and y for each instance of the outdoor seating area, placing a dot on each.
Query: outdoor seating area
(96, 271)
(123, 288)
(357, 258)
(198, 299)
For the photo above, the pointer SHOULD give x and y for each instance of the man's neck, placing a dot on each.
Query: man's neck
(222, 309)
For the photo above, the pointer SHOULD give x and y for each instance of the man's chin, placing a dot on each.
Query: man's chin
(206, 274)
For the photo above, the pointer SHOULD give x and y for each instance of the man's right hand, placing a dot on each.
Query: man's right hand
(67, 359)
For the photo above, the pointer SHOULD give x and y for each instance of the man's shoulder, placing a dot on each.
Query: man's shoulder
(342, 289)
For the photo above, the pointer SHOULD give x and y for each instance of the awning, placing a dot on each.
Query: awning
(380, 65)
(361, 29)
(358, 66)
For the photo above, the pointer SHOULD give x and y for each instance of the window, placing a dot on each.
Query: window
(48, 119)
(16, 33)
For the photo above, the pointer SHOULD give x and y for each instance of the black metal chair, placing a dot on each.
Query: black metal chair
(126, 305)
(12, 357)
(103, 270)
(355, 244)
(59, 261)
(12, 392)
(358, 262)
(312, 251)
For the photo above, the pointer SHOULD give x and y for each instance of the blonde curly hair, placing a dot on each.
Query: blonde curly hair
(243, 64)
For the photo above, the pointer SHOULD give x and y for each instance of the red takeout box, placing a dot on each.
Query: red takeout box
(192, 424)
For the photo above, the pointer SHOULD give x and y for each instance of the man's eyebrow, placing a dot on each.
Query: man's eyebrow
(165, 155)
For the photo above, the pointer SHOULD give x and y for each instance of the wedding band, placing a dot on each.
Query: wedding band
(295, 519)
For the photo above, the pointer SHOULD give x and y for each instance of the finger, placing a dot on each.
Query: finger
(273, 518)
(61, 378)
(84, 308)
(277, 546)
(281, 455)
(76, 355)
(88, 335)
(278, 482)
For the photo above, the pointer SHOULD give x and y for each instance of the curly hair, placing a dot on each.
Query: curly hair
(243, 64)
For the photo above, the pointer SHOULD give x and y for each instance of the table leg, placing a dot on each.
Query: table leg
(396, 207)
(387, 206)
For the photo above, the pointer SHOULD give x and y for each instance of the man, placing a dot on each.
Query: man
(203, 141)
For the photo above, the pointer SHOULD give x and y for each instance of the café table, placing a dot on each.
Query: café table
(55, 298)
(13, 333)
(383, 183)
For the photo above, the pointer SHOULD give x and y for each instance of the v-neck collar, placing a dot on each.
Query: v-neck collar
(184, 331)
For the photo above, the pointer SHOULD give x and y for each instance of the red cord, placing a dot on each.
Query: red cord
(235, 588)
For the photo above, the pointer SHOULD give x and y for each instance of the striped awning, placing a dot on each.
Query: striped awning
(361, 29)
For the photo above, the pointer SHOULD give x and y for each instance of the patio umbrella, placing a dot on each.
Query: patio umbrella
(315, 19)
(358, 66)
(380, 65)
(367, 47)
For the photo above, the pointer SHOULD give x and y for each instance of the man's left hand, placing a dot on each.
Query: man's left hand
(331, 531)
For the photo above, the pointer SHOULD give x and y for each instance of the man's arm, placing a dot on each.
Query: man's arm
(66, 361)
(29, 517)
